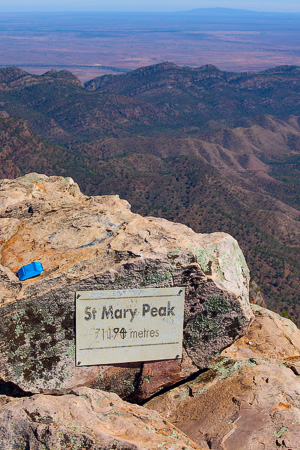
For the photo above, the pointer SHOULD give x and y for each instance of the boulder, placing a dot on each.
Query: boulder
(249, 398)
(85, 419)
(97, 243)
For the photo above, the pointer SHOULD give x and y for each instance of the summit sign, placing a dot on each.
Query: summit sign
(129, 325)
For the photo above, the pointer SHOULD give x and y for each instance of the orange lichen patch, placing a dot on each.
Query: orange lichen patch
(34, 244)
(50, 258)
(55, 260)
(41, 186)
(9, 253)
(283, 405)
(293, 358)
(163, 432)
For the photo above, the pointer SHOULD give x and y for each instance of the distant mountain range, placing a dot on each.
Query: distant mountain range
(239, 11)
(219, 151)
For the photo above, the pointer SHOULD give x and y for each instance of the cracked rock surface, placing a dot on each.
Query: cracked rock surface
(86, 419)
(249, 398)
(97, 243)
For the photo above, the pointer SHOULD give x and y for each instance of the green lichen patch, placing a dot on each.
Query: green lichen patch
(123, 383)
(218, 304)
(36, 338)
(205, 260)
(217, 318)
(206, 324)
(224, 367)
(199, 393)
(174, 254)
(66, 439)
(281, 432)
(71, 351)
(157, 278)
(145, 274)
(33, 178)
(200, 328)
(148, 379)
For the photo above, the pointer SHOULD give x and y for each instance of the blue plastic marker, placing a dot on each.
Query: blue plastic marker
(30, 270)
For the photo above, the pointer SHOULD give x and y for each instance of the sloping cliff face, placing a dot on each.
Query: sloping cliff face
(97, 243)
(245, 397)
(250, 397)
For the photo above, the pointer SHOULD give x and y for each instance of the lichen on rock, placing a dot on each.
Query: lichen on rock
(249, 397)
(85, 419)
(97, 243)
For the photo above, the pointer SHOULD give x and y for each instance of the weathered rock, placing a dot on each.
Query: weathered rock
(270, 337)
(255, 295)
(96, 243)
(249, 398)
(87, 419)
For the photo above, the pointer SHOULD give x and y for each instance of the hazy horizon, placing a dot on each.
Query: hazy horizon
(291, 6)
(98, 43)
(217, 9)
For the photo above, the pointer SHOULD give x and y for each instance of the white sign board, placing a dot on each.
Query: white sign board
(128, 325)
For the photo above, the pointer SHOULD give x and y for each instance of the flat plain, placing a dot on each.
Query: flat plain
(93, 44)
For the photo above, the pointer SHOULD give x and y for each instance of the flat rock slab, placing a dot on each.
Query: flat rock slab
(249, 398)
(85, 419)
(97, 243)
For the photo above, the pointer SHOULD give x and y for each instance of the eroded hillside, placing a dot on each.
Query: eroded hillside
(218, 151)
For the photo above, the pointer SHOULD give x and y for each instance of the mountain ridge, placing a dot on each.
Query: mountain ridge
(219, 151)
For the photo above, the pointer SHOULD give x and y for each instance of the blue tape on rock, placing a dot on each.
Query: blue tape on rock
(30, 270)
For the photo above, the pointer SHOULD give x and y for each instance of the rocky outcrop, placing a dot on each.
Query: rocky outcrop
(97, 243)
(85, 419)
(250, 397)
